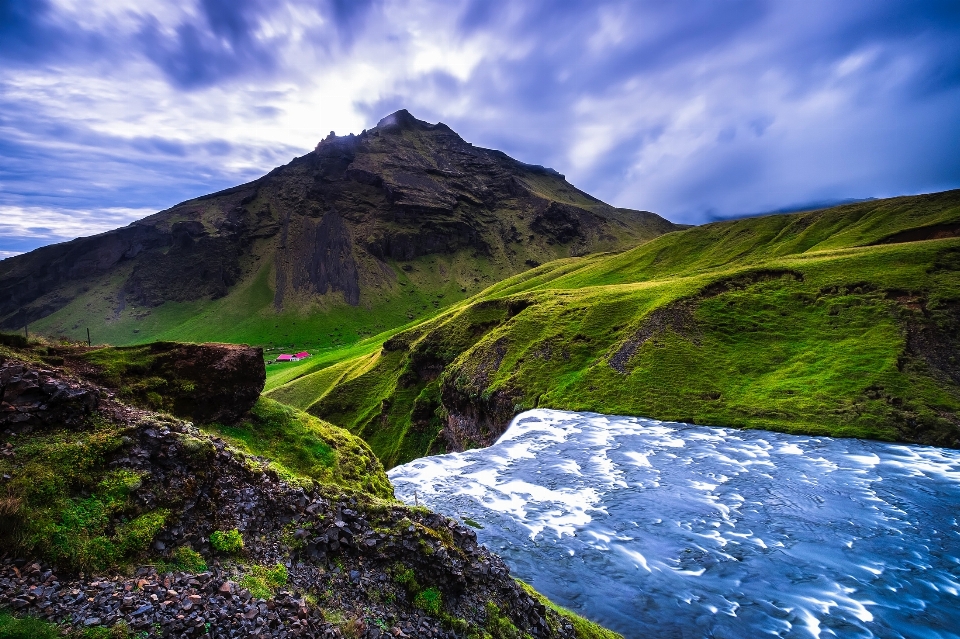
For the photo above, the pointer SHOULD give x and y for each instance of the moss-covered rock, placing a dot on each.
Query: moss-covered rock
(302, 448)
(200, 382)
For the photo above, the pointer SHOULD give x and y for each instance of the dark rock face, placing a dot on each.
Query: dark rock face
(559, 222)
(317, 259)
(35, 397)
(476, 418)
(332, 222)
(202, 382)
(474, 423)
(193, 267)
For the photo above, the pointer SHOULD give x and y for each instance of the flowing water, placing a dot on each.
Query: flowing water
(661, 529)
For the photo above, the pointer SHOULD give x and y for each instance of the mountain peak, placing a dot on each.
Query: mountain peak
(396, 122)
(402, 119)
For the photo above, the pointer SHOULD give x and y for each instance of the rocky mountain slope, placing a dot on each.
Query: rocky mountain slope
(365, 233)
(842, 322)
(118, 519)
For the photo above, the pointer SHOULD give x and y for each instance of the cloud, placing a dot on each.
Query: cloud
(24, 228)
(694, 109)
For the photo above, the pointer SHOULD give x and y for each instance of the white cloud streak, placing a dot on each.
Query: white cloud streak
(59, 225)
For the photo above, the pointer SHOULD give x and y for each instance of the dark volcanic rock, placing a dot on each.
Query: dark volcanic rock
(473, 422)
(474, 417)
(201, 382)
(32, 397)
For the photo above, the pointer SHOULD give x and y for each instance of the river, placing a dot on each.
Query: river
(668, 530)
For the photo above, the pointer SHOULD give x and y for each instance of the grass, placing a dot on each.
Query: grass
(263, 581)
(65, 505)
(227, 541)
(12, 627)
(302, 447)
(429, 600)
(26, 628)
(183, 559)
(582, 628)
(499, 625)
(798, 323)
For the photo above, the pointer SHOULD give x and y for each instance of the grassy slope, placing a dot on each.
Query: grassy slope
(301, 447)
(247, 313)
(809, 334)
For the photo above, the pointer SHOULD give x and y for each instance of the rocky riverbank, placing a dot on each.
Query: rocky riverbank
(115, 514)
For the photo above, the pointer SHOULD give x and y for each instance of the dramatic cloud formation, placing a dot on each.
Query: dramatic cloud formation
(698, 109)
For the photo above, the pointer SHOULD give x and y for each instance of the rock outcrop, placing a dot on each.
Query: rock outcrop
(36, 397)
(201, 382)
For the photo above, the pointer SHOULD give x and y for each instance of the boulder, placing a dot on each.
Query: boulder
(201, 382)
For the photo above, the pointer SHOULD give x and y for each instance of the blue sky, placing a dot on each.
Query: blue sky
(113, 109)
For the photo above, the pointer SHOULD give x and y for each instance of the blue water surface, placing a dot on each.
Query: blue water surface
(660, 529)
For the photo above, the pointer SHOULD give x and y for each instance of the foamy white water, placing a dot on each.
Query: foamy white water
(661, 529)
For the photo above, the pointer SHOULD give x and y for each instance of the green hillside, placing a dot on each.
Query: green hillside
(841, 322)
(248, 315)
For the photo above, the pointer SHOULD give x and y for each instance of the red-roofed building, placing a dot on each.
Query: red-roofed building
(287, 358)
(302, 355)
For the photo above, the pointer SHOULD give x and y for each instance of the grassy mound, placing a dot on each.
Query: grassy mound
(300, 446)
(837, 322)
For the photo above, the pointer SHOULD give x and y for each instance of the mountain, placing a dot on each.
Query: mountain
(365, 233)
(841, 322)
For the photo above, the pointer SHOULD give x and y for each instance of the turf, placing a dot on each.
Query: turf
(303, 448)
(12, 627)
(825, 322)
